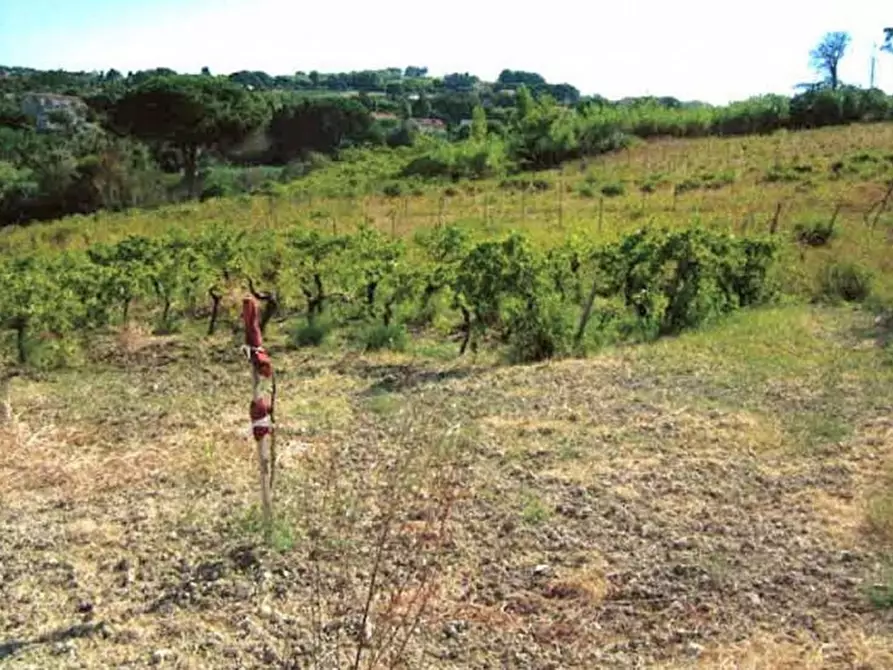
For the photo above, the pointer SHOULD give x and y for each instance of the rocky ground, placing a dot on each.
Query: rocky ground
(712, 501)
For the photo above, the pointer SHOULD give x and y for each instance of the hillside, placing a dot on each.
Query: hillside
(700, 480)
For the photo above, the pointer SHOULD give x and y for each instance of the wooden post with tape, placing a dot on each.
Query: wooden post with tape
(261, 408)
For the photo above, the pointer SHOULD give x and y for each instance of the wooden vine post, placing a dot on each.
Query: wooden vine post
(261, 407)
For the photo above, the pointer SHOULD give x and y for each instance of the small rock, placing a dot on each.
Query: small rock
(542, 570)
(215, 639)
(694, 649)
(161, 655)
(266, 611)
(64, 647)
(754, 599)
(242, 590)
(85, 607)
(683, 543)
(270, 657)
(452, 629)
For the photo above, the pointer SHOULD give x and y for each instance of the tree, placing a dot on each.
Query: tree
(524, 103)
(421, 108)
(514, 78)
(460, 81)
(404, 109)
(826, 57)
(888, 40)
(191, 113)
(413, 72)
(479, 124)
(317, 124)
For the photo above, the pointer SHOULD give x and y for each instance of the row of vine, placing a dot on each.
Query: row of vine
(505, 290)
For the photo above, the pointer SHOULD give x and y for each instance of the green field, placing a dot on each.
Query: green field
(698, 478)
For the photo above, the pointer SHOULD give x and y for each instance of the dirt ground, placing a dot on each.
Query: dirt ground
(713, 501)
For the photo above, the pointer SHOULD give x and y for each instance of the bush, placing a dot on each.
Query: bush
(781, 174)
(539, 332)
(464, 160)
(310, 334)
(686, 186)
(672, 281)
(648, 187)
(613, 190)
(393, 190)
(718, 181)
(814, 233)
(378, 336)
(525, 184)
(845, 281)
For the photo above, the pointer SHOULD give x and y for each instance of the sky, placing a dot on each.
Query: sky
(689, 49)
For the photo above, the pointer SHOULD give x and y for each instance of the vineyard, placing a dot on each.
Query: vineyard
(639, 244)
(631, 411)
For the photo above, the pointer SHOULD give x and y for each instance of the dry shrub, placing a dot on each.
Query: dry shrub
(374, 512)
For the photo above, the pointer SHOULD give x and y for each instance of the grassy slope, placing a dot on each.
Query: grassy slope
(716, 498)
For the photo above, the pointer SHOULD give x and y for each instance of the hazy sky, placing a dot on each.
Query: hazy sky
(692, 49)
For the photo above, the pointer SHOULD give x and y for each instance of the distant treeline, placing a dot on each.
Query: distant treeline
(113, 141)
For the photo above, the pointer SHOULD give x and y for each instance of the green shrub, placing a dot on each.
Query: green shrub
(379, 336)
(781, 174)
(816, 233)
(648, 187)
(463, 160)
(393, 190)
(845, 281)
(613, 190)
(525, 184)
(539, 331)
(718, 181)
(686, 186)
(311, 334)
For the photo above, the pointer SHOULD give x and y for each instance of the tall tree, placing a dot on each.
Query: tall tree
(191, 113)
(888, 40)
(317, 124)
(825, 58)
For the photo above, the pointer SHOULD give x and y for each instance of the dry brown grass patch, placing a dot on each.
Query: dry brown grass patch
(842, 518)
(850, 648)
(585, 585)
(134, 336)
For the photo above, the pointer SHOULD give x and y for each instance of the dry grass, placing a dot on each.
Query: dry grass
(649, 506)
(852, 648)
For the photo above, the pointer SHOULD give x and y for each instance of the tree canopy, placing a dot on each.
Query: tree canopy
(191, 113)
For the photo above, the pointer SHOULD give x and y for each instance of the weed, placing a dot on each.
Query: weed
(847, 281)
(816, 233)
(535, 512)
